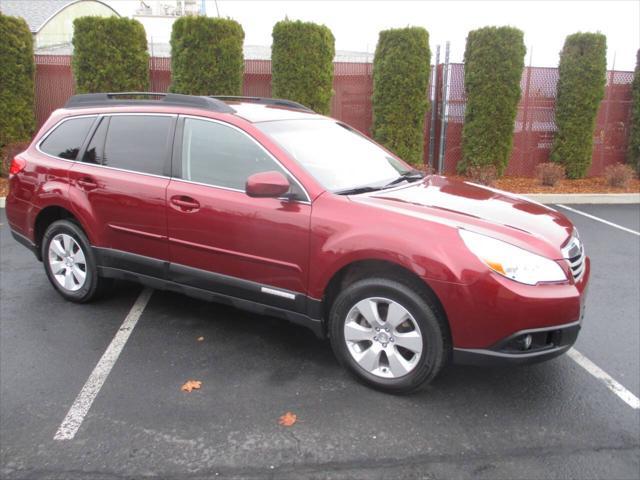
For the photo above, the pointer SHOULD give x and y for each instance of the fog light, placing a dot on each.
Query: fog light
(526, 341)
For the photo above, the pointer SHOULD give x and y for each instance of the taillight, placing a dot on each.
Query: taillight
(17, 165)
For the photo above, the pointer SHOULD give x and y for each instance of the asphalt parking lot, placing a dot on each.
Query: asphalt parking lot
(553, 420)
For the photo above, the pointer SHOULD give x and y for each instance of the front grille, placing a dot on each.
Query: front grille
(577, 265)
(573, 253)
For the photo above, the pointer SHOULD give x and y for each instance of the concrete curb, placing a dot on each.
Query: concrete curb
(584, 198)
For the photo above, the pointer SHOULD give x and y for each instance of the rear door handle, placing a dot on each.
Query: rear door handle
(184, 203)
(87, 183)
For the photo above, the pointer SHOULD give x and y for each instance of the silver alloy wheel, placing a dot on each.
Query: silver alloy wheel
(67, 262)
(383, 337)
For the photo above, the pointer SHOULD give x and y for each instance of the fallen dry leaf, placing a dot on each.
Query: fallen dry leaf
(200, 339)
(191, 385)
(288, 419)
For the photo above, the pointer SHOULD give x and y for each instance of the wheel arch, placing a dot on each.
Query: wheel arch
(360, 269)
(46, 217)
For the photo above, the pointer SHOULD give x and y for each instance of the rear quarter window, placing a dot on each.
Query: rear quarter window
(67, 138)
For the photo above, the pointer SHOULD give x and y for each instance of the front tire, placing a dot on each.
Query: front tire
(388, 334)
(70, 264)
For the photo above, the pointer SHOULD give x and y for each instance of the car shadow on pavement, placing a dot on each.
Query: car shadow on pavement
(288, 353)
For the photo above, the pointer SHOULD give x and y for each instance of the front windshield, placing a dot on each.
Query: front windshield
(338, 157)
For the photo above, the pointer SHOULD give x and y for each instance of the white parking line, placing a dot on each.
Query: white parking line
(598, 219)
(626, 396)
(71, 423)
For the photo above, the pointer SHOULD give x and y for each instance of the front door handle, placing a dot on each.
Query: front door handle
(87, 183)
(185, 203)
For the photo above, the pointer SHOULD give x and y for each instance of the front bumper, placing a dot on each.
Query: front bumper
(545, 344)
(484, 313)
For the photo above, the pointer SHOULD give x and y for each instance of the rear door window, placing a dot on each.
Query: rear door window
(140, 143)
(67, 139)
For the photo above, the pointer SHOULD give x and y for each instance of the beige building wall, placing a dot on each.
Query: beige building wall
(59, 29)
(158, 28)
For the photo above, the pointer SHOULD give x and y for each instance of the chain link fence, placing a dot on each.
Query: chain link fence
(353, 87)
(535, 127)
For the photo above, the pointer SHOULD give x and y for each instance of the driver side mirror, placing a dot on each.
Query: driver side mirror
(267, 185)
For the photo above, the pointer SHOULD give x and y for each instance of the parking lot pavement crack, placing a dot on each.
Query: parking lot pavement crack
(74, 474)
(468, 463)
(471, 458)
(296, 440)
(371, 464)
(186, 451)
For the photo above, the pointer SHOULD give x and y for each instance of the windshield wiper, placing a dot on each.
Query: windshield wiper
(357, 190)
(409, 176)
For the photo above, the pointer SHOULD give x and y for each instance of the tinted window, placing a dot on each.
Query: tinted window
(137, 142)
(65, 141)
(95, 149)
(218, 155)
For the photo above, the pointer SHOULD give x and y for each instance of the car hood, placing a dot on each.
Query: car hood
(467, 205)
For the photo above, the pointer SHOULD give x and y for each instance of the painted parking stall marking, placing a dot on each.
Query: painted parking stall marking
(72, 422)
(598, 219)
(626, 396)
(612, 384)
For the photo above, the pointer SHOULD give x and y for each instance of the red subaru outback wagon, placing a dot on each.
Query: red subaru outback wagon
(267, 206)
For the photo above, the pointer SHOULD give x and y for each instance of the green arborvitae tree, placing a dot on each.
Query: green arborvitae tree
(581, 82)
(493, 64)
(302, 64)
(16, 81)
(206, 56)
(633, 155)
(109, 55)
(400, 99)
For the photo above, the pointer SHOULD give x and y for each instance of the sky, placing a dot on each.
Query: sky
(356, 24)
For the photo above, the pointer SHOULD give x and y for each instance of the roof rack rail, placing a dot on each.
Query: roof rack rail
(278, 102)
(173, 99)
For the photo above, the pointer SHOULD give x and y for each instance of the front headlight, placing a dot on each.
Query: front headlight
(511, 261)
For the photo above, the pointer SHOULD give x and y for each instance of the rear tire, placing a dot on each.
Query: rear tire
(70, 263)
(388, 334)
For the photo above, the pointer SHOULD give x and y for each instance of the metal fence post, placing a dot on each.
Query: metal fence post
(445, 109)
(607, 103)
(152, 66)
(525, 112)
(434, 110)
